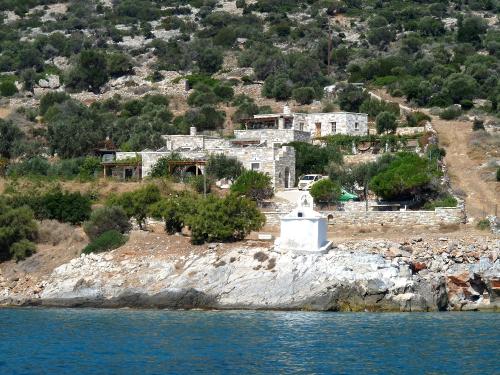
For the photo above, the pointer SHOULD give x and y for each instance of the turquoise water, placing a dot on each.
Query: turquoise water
(87, 341)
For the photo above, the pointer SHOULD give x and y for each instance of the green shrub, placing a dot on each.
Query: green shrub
(254, 185)
(63, 206)
(104, 219)
(200, 184)
(406, 176)
(220, 166)
(174, 211)
(445, 201)
(7, 88)
(417, 118)
(109, 240)
(89, 167)
(22, 249)
(466, 104)
(228, 219)
(161, 167)
(325, 192)
(36, 166)
(498, 174)
(450, 113)
(483, 224)
(386, 122)
(304, 95)
(51, 98)
(136, 203)
(17, 226)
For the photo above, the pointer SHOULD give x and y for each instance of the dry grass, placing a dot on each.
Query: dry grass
(54, 233)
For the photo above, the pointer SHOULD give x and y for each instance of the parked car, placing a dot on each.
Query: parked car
(309, 180)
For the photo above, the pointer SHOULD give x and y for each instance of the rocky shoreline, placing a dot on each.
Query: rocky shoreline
(354, 276)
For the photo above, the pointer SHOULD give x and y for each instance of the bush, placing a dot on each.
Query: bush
(57, 205)
(325, 192)
(304, 95)
(7, 88)
(220, 166)
(450, 113)
(174, 211)
(386, 122)
(314, 159)
(445, 201)
(22, 249)
(36, 166)
(254, 185)
(466, 104)
(51, 98)
(17, 226)
(228, 219)
(109, 240)
(104, 219)
(161, 167)
(483, 224)
(478, 124)
(405, 177)
(200, 184)
(136, 203)
(498, 174)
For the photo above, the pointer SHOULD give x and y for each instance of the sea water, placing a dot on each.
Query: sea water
(90, 341)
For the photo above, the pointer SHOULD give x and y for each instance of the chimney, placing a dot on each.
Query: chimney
(286, 110)
(192, 130)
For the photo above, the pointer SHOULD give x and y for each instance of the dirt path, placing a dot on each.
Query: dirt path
(481, 198)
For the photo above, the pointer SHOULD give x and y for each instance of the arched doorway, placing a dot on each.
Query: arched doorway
(287, 178)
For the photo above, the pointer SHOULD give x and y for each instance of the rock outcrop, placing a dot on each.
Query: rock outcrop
(348, 278)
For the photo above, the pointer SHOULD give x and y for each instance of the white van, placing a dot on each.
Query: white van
(309, 180)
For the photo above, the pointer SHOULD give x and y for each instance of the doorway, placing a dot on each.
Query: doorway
(287, 178)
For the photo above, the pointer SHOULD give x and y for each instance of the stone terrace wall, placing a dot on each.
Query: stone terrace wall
(441, 216)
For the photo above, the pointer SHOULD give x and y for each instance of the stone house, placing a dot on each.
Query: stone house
(258, 154)
(307, 126)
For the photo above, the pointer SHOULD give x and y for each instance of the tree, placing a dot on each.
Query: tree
(136, 203)
(10, 135)
(89, 73)
(408, 176)
(174, 211)
(386, 122)
(228, 219)
(161, 168)
(254, 185)
(314, 159)
(51, 98)
(72, 129)
(17, 229)
(104, 219)
(325, 192)
(7, 88)
(460, 86)
(304, 95)
(351, 98)
(210, 60)
(220, 166)
(470, 29)
(118, 64)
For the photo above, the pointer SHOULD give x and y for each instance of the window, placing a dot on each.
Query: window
(255, 166)
(334, 127)
(356, 126)
(301, 126)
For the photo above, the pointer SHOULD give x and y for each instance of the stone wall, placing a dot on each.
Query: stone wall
(274, 135)
(407, 130)
(441, 216)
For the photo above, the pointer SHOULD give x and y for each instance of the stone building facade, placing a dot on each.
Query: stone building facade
(259, 154)
(306, 126)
